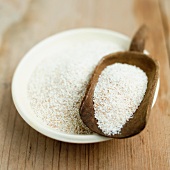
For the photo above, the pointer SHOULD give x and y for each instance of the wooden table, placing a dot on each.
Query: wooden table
(21, 147)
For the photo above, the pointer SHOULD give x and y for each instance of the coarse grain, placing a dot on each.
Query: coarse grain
(118, 93)
(57, 86)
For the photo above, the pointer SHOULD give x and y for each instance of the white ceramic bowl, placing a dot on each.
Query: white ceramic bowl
(35, 56)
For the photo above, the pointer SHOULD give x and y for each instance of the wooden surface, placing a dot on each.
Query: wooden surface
(21, 147)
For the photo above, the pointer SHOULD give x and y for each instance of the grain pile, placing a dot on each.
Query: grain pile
(58, 84)
(117, 95)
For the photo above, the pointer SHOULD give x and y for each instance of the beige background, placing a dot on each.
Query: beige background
(23, 23)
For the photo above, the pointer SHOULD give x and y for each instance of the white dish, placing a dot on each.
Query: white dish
(35, 56)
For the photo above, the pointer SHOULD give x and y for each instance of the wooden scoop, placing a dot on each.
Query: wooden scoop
(134, 56)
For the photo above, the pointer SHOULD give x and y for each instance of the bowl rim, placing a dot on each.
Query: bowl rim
(52, 133)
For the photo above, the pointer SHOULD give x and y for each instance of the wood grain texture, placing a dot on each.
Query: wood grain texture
(11, 12)
(21, 147)
(165, 14)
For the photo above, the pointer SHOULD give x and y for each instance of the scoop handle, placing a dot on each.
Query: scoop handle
(138, 41)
